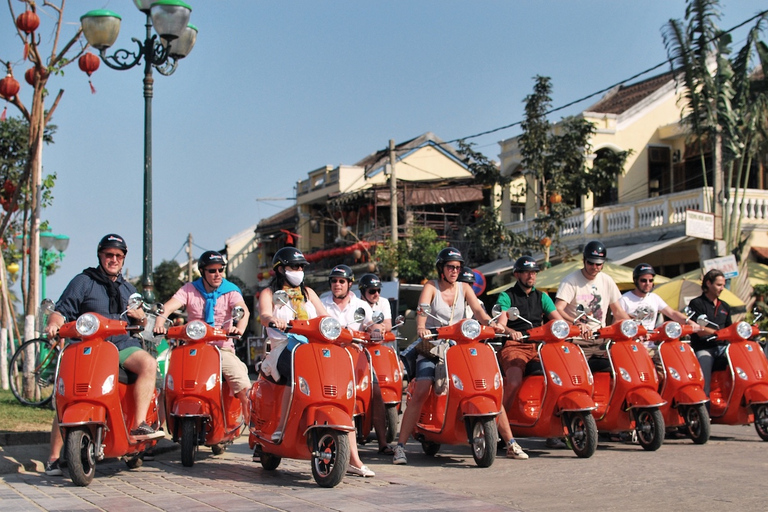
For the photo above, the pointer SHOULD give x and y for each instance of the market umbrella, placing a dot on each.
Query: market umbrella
(549, 280)
(679, 292)
(758, 273)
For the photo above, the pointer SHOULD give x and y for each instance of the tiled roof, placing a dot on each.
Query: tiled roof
(624, 97)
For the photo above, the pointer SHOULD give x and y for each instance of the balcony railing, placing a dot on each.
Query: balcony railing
(654, 214)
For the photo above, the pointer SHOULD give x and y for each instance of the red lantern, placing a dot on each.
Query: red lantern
(28, 22)
(88, 63)
(31, 75)
(371, 209)
(9, 87)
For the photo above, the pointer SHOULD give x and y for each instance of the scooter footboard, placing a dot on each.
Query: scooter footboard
(331, 417)
(756, 394)
(480, 406)
(575, 401)
(82, 413)
(644, 397)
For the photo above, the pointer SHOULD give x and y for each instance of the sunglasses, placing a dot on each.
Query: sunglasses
(373, 292)
(296, 267)
(646, 280)
(215, 270)
(338, 280)
(454, 268)
(594, 263)
(112, 255)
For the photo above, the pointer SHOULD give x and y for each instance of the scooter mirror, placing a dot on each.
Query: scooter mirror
(424, 309)
(378, 317)
(496, 311)
(400, 320)
(135, 301)
(580, 308)
(359, 315)
(702, 320)
(513, 313)
(280, 298)
(47, 306)
(159, 309)
(237, 313)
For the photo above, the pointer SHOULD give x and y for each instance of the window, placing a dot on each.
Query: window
(659, 171)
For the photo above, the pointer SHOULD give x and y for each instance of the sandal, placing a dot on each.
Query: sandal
(386, 450)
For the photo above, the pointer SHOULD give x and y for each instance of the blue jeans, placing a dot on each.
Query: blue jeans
(706, 357)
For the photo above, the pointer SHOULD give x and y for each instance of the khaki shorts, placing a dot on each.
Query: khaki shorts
(234, 370)
(517, 355)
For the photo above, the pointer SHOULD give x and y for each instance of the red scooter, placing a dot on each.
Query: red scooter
(683, 384)
(466, 411)
(738, 392)
(320, 404)
(627, 398)
(200, 407)
(94, 397)
(557, 399)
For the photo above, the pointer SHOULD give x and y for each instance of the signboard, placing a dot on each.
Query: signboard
(479, 285)
(700, 224)
(727, 265)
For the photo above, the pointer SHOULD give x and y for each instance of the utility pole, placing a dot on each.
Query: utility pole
(189, 258)
(392, 192)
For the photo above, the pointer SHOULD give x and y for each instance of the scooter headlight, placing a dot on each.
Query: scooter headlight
(330, 328)
(108, 385)
(673, 330)
(364, 383)
(169, 383)
(457, 381)
(60, 387)
(303, 386)
(744, 330)
(470, 329)
(211, 382)
(560, 329)
(196, 330)
(625, 375)
(350, 389)
(497, 381)
(629, 328)
(396, 376)
(87, 324)
(673, 373)
(741, 373)
(555, 378)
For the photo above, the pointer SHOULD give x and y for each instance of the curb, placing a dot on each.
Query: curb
(18, 438)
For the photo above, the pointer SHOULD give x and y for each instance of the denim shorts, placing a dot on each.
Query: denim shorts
(425, 368)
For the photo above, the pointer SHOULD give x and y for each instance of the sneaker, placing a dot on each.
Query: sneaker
(362, 471)
(556, 443)
(515, 451)
(399, 457)
(144, 431)
(52, 468)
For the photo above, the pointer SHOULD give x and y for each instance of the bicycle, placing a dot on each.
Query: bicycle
(32, 372)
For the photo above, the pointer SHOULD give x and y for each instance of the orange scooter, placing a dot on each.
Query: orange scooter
(557, 398)
(200, 407)
(627, 398)
(738, 391)
(683, 384)
(466, 410)
(319, 406)
(94, 396)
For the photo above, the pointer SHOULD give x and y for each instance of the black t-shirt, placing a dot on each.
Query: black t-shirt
(719, 313)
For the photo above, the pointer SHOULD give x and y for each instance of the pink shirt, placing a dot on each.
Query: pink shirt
(195, 305)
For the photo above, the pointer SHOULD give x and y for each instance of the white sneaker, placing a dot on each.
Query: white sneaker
(362, 471)
(399, 457)
(515, 451)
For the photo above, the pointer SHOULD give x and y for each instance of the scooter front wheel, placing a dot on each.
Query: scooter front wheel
(649, 424)
(81, 455)
(582, 433)
(330, 457)
(485, 437)
(188, 442)
(697, 423)
(761, 420)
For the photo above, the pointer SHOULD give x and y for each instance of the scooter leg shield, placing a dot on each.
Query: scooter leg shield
(690, 395)
(332, 417)
(190, 407)
(480, 406)
(80, 413)
(644, 397)
(756, 394)
(575, 402)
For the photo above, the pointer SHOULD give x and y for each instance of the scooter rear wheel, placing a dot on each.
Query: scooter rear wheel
(188, 442)
(330, 457)
(81, 456)
(761, 420)
(649, 424)
(485, 437)
(697, 423)
(582, 433)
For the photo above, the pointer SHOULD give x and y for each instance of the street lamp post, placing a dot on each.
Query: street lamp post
(52, 249)
(170, 19)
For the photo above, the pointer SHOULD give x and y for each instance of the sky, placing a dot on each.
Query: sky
(273, 90)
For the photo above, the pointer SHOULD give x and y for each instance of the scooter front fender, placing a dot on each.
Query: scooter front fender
(480, 406)
(690, 395)
(756, 394)
(644, 397)
(81, 413)
(327, 416)
(575, 401)
(190, 406)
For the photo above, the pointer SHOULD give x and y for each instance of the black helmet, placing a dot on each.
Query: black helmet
(210, 258)
(595, 252)
(113, 240)
(288, 256)
(466, 276)
(526, 264)
(369, 281)
(448, 254)
(342, 271)
(641, 270)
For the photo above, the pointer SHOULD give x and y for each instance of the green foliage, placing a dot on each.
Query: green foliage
(167, 280)
(485, 171)
(413, 259)
(488, 238)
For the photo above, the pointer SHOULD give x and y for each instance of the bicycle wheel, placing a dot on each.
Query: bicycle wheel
(32, 372)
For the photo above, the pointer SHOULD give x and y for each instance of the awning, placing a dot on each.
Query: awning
(624, 253)
(760, 252)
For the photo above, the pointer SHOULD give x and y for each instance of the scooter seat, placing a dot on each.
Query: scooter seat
(720, 364)
(126, 376)
(533, 368)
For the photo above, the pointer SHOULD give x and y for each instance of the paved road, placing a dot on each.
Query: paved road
(728, 473)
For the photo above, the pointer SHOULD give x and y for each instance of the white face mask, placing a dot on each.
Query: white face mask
(294, 277)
